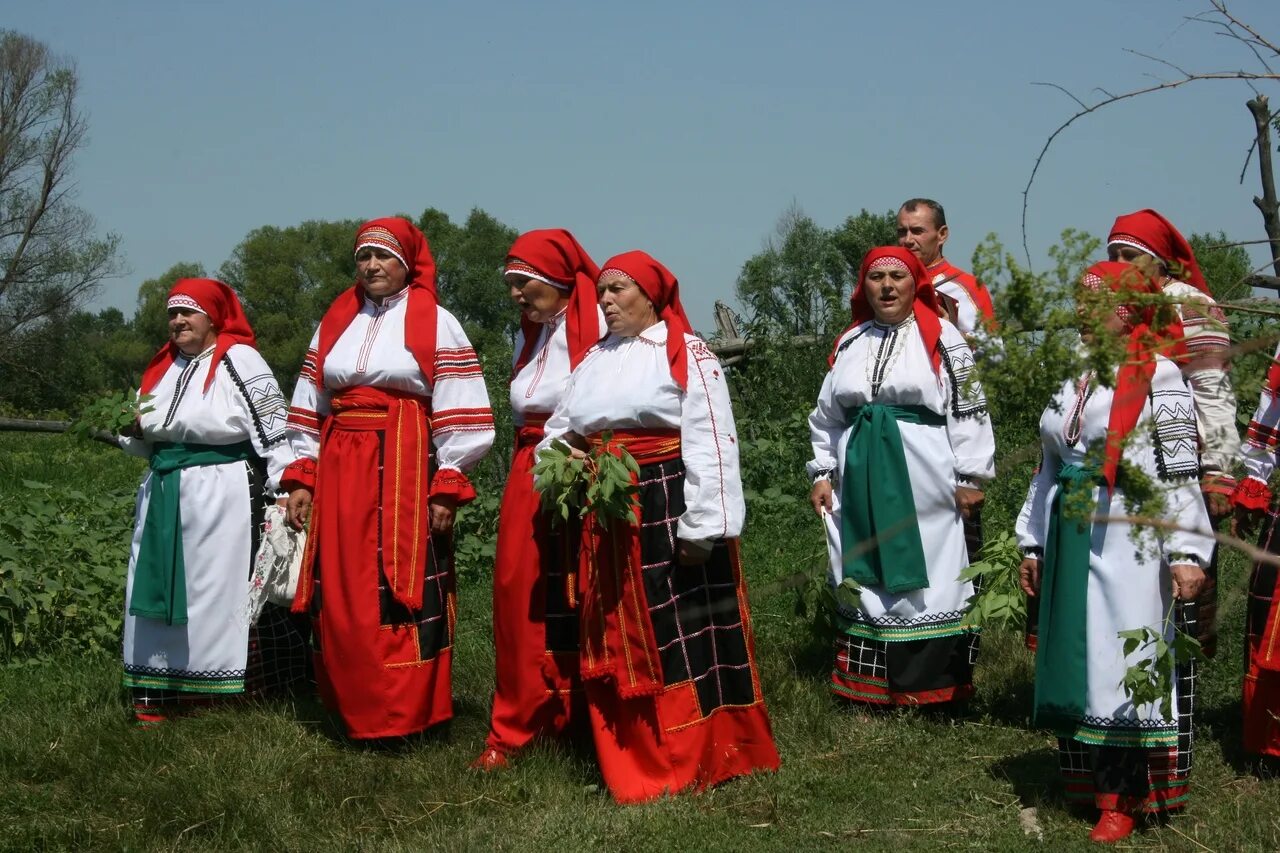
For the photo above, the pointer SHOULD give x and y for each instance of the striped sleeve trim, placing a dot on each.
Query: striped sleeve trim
(462, 420)
(1263, 436)
(308, 371)
(303, 420)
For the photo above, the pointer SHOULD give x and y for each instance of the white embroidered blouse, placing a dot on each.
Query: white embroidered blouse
(626, 383)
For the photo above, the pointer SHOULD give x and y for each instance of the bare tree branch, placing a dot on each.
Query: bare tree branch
(1173, 84)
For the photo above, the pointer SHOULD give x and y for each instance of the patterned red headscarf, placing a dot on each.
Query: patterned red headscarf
(220, 303)
(925, 306)
(403, 239)
(663, 291)
(553, 256)
(1152, 330)
(1148, 231)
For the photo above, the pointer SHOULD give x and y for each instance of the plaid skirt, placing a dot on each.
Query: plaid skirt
(1261, 689)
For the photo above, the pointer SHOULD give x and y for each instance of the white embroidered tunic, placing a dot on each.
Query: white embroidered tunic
(1129, 579)
(889, 365)
(540, 384)
(209, 653)
(371, 352)
(626, 383)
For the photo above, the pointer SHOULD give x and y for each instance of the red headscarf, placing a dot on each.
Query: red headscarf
(1149, 335)
(220, 303)
(403, 239)
(1150, 232)
(925, 306)
(663, 291)
(554, 256)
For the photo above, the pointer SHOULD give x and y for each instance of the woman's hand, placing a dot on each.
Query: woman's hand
(1219, 506)
(1029, 575)
(284, 502)
(442, 509)
(969, 500)
(1188, 580)
(820, 497)
(691, 554)
(298, 509)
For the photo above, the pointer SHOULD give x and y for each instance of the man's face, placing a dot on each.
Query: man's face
(918, 234)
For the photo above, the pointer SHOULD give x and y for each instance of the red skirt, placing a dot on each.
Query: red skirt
(380, 589)
(1262, 649)
(535, 631)
(668, 655)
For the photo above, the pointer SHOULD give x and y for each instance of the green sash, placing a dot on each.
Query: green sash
(159, 577)
(1061, 652)
(879, 536)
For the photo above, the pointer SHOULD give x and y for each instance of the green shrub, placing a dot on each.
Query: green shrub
(63, 558)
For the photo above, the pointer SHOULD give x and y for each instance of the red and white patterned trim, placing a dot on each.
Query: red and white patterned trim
(380, 238)
(181, 300)
(1130, 240)
(462, 420)
(888, 263)
(518, 267)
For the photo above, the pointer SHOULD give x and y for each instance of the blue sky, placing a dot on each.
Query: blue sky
(683, 128)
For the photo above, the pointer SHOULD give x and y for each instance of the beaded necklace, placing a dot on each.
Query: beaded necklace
(1074, 424)
(891, 348)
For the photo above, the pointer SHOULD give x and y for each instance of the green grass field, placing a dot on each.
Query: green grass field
(74, 772)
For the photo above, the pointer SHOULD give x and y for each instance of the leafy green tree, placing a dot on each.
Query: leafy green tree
(798, 284)
(287, 278)
(469, 261)
(1224, 264)
(151, 319)
(861, 233)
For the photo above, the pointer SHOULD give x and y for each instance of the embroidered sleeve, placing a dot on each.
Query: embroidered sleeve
(968, 425)
(1173, 427)
(461, 419)
(307, 410)
(1174, 447)
(967, 397)
(714, 505)
(260, 393)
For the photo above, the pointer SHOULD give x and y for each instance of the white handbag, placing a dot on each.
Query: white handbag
(277, 563)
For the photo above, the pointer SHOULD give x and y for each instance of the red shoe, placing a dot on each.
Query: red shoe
(1112, 827)
(490, 760)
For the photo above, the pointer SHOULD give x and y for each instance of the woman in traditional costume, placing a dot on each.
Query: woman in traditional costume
(535, 631)
(667, 658)
(902, 445)
(1252, 500)
(213, 432)
(1145, 235)
(1097, 575)
(389, 413)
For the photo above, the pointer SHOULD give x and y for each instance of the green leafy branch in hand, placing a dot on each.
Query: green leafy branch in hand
(1150, 680)
(115, 413)
(599, 482)
(997, 600)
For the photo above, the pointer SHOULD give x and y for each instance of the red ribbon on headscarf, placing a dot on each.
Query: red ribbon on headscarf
(1156, 235)
(925, 305)
(1149, 335)
(223, 308)
(663, 290)
(555, 253)
(420, 319)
